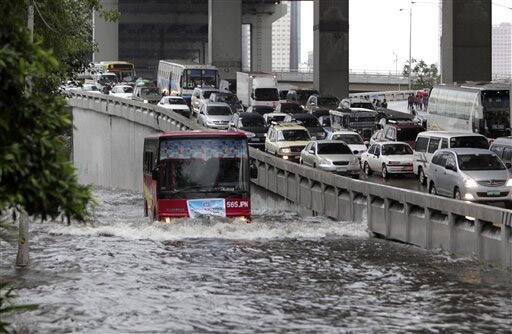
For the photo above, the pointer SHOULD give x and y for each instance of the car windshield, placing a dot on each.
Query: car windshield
(176, 101)
(291, 108)
(309, 122)
(279, 118)
(219, 111)
(148, 91)
(333, 148)
(253, 121)
(202, 165)
(408, 134)
(328, 102)
(266, 94)
(230, 98)
(469, 142)
(480, 162)
(207, 93)
(396, 149)
(366, 105)
(351, 139)
(293, 135)
(262, 110)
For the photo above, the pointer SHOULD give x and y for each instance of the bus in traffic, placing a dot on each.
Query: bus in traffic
(125, 71)
(196, 173)
(478, 108)
(179, 77)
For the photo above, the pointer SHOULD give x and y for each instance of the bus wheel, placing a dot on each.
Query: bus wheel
(421, 176)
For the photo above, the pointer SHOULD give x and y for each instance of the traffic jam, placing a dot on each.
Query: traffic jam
(459, 147)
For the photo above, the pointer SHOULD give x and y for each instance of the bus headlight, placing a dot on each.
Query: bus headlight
(470, 183)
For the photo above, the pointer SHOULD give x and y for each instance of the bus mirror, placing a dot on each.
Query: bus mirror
(253, 171)
(154, 174)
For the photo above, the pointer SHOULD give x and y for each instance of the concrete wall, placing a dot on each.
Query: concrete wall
(108, 152)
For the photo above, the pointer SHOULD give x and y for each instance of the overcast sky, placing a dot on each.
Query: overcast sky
(378, 29)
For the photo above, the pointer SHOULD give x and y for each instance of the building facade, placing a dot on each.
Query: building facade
(286, 39)
(502, 51)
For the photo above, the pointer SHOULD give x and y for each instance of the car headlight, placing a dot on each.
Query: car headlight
(324, 161)
(285, 150)
(470, 183)
(509, 183)
(354, 161)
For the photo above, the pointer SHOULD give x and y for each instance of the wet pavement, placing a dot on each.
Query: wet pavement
(282, 273)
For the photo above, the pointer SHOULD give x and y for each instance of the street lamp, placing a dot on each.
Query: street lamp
(410, 43)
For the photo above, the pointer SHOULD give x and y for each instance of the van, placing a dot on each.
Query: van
(428, 142)
(503, 148)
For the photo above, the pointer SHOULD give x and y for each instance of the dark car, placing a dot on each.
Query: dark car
(253, 123)
(310, 122)
(316, 102)
(229, 98)
(300, 96)
(323, 116)
(289, 108)
(262, 110)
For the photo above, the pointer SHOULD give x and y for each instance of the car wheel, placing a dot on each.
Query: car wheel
(385, 173)
(457, 194)
(432, 189)
(421, 176)
(367, 169)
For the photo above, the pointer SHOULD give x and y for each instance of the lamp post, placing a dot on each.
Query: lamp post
(410, 43)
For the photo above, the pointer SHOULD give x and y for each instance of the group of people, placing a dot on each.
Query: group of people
(418, 101)
(380, 104)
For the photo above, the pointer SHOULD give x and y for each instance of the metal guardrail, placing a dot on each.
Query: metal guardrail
(398, 214)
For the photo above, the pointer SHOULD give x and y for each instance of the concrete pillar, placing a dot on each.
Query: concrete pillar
(466, 43)
(261, 19)
(225, 36)
(105, 34)
(330, 47)
(295, 33)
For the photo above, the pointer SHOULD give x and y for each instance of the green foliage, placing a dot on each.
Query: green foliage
(424, 76)
(35, 172)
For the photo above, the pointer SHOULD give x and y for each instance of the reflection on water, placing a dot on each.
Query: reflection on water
(282, 272)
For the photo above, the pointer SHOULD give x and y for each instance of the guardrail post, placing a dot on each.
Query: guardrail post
(369, 199)
(286, 183)
(297, 191)
(387, 218)
(478, 238)
(451, 230)
(337, 195)
(352, 206)
(506, 252)
(407, 212)
(428, 228)
(322, 186)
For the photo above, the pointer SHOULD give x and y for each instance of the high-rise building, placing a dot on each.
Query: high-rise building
(286, 38)
(502, 51)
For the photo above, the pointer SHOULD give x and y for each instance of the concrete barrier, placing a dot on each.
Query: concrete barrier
(107, 145)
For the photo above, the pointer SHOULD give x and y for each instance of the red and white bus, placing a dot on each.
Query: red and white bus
(197, 173)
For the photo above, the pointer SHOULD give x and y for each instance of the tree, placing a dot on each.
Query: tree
(423, 75)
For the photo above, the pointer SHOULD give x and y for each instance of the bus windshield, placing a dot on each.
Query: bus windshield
(202, 165)
(199, 77)
(496, 113)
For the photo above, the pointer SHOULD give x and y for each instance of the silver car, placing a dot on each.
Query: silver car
(470, 174)
(331, 155)
(215, 115)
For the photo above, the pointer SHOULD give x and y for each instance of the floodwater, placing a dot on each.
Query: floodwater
(282, 273)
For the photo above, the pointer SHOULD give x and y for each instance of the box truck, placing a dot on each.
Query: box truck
(257, 89)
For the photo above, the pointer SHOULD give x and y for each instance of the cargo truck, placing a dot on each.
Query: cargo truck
(257, 89)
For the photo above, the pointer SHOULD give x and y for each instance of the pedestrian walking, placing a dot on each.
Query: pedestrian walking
(410, 102)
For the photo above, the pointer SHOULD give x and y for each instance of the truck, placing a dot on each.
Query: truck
(257, 89)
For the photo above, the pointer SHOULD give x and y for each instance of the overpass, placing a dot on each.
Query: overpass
(107, 149)
(210, 31)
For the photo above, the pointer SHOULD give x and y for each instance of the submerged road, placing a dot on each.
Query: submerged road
(281, 273)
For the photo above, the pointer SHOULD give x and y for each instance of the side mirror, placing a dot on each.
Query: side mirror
(154, 174)
(253, 171)
(508, 165)
(450, 167)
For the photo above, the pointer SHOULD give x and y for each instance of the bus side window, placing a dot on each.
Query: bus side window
(444, 143)
(421, 144)
(433, 145)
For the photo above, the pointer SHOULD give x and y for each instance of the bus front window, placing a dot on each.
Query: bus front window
(191, 166)
(197, 77)
(496, 122)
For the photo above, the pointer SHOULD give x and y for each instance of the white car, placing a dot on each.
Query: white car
(388, 158)
(215, 115)
(91, 88)
(175, 104)
(331, 156)
(122, 91)
(352, 139)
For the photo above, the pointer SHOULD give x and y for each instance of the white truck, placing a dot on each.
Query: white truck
(257, 89)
